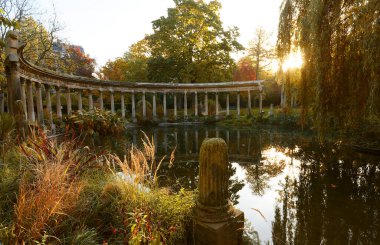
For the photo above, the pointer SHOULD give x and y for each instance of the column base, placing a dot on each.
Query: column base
(220, 233)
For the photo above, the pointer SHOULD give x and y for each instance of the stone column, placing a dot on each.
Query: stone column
(144, 105)
(112, 102)
(23, 96)
(80, 105)
(101, 103)
(134, 120)
(12, 71)
(40, 107)
(122, 105)
(238, 104)
(196, 104)
(228, 104)
(216, 221)
(29, 94)
(165, 110)
(249, 103)
(206, 104)
(48, 104)
(216, 105)
(68, 101)
(261, 101)
(175, 105)
(90, 101)
(185, 104)
(58, 100)
(154, 107)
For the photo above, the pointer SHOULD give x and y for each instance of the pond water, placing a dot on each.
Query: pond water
(291, 188)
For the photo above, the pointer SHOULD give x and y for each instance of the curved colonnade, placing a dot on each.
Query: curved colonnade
(28, 83)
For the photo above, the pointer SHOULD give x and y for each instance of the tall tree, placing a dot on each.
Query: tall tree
(245, 70)
(261, 52)
(190, 44)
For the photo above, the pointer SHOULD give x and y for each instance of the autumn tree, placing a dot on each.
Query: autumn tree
(190, 44)
(245, 70)
(115, 70)
(261, 52)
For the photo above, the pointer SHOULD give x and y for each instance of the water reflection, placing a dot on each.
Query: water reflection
(291, 188)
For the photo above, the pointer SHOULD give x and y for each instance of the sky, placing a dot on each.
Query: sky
(106, 28)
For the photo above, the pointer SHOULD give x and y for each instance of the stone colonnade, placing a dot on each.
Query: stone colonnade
(35, 87)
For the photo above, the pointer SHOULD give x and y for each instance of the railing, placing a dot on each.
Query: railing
(28, 83)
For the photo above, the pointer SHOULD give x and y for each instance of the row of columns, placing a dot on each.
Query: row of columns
(29, 105)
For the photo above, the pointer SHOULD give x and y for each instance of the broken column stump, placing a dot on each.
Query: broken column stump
(216, 221)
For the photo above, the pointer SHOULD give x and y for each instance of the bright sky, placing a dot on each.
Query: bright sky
(106, 28)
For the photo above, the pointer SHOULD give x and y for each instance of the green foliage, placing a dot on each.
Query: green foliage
(94, 122)
(7, 126)
(340, 41)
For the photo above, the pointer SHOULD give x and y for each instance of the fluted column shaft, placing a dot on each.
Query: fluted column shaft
(122, 105)
(238, 104)
(216, 105)
(133, 107)
(185, 104)
(165, 110)
(40, 108)
(48, 104)
(80, 105)
(29, 94)
(23, 96)
(206, 104)
(154, 106)
(228, 104)
(90, 101)
(112, 103)
(249, 103)
(58, 102)
(144, 105)
(68, 101)
(196, 104)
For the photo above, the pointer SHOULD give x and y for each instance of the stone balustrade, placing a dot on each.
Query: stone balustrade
(34, 87)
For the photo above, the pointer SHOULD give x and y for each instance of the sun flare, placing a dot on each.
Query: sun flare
(293, 61)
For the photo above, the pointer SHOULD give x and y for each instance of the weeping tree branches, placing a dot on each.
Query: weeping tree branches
(340, 41)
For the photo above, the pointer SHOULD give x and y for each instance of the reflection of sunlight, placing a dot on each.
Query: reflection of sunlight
(249, 201)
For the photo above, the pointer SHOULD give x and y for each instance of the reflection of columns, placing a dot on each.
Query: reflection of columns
(166, 141)
(176, 139)
(90, 101)
(196, 105)
(40, 107)
(238, 104)
(29, 94)
(206, 134)
(154, 107)
(216, 104)
(155, 140)
(238, 141)
(101, 104)
(164, 102)
(206, 104)
(175, 105)
(185, 104)
(112, 103)
(144, 105)
(228, 137)
(133, 108)
(48, 104)
(217, 133)
(134, 137)
(68, 101)
(23, 98)
(228, 104)
(196, 141)
(80, 105)
(186, 143)
(122, 105)
(249, 103)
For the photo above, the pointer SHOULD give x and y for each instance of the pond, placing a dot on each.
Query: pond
(291, 188)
